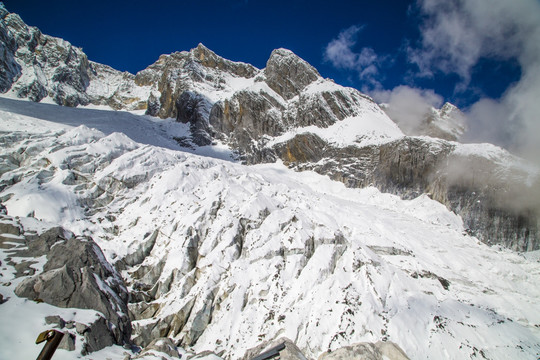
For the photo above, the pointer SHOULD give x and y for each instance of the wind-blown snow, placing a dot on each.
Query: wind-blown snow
(278, 253)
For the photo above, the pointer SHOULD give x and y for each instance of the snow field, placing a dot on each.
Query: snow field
(271, 252)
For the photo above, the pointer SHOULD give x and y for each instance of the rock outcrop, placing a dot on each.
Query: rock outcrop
(491, 190)
(75, 275)
(36, 66)
(282, 348)
(287, 74)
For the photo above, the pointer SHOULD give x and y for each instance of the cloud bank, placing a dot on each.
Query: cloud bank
(408, 106)
(339, 52)
(457, 34)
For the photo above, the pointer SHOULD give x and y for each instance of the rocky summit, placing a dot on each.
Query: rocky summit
(213, 210)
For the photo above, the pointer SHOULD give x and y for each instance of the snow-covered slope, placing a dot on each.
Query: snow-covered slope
(220, 256)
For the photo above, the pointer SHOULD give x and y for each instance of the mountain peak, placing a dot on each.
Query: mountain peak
(288, 74)
(3, 10)
(210, 59)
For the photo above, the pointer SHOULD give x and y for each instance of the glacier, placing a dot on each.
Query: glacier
(220, 256)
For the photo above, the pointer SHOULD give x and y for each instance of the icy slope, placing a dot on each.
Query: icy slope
(221, 257)
(20, 115)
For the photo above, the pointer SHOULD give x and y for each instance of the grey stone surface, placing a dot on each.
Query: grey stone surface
(76, 275)
(67, 342)
(287, 74)
(56, 320)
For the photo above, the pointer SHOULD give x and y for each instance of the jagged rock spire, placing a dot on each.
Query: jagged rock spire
(287, 74)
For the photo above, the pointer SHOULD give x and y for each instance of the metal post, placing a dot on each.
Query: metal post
(53, 338)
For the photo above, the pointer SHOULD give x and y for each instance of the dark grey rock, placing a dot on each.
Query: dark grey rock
(194, 109)
(10, 70)
(99, 336)
(56, 320)
(152, 107)
(76, 275)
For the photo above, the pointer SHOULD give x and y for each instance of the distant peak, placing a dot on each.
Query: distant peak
(448, 106)
(203, 48)
(201, 52)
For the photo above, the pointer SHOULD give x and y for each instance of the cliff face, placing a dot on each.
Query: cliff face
(487, 187)
(37, 66)
(288, 112)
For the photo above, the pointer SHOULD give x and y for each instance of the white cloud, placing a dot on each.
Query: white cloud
(457, 34)
(339, 52)
(408, 106)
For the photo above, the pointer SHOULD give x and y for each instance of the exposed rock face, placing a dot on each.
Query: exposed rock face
(367, 351)
(44, 66)
(10, 70)
(76, 275)
(287, 74)
(35, 66)
(194, 109)
(209, 59)
(501, 209)
(194, 71)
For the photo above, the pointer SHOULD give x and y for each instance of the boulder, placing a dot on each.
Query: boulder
(76, 275)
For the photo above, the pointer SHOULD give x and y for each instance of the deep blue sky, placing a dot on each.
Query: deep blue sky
(130, 35)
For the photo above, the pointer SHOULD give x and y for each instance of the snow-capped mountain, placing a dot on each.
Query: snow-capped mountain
(147, 229)
(287, 111)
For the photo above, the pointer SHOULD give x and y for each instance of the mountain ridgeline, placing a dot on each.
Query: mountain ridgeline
(287, 112)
